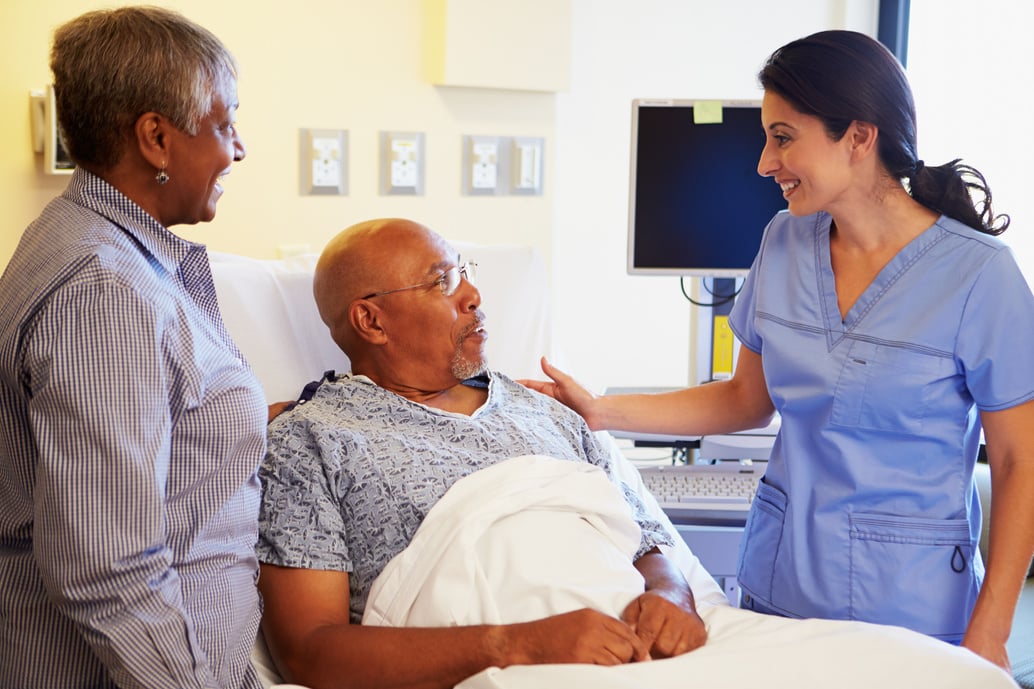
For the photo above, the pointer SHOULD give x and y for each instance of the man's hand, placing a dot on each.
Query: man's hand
(665, 616)
(582, 636)
(666, 627)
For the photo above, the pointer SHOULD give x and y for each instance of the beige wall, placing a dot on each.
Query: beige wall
(343, 64)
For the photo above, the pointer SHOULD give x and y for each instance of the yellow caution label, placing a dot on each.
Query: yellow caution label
(721, 348)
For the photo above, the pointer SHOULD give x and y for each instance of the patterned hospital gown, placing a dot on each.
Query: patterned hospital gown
(352, 473)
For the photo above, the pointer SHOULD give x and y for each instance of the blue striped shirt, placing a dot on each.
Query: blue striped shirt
(130, 434)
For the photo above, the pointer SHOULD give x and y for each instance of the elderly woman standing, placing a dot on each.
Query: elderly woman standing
(131, 427)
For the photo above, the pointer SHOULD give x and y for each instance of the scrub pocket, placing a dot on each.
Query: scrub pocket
(762, 536)
(916, 573)
(886, 388)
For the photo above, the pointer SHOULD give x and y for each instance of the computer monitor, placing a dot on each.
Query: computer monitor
(697, 205)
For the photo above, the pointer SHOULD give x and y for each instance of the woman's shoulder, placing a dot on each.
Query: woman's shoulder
(792, 238)
(784, 221)
(971, 252)
(70, 254)
(965, 233)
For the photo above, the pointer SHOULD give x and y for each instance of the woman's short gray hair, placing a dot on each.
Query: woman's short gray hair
(112, 66)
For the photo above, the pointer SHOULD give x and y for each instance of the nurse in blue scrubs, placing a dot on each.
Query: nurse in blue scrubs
(887, 325)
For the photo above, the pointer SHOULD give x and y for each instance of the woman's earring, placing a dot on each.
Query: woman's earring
(161, 177)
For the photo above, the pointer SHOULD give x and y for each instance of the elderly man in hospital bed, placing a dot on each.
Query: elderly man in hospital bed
(426, 522)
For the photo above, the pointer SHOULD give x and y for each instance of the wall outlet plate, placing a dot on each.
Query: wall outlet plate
(323, 161)
(526, 165)
(485, 171)
(402, 163)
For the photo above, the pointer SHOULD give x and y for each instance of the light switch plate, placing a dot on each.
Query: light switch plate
(323, 161)
(526, 164)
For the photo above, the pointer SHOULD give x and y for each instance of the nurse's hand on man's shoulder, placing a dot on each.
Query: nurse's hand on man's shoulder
(546, 387)
(564, 389)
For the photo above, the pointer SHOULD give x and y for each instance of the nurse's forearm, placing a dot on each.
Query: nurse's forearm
(720, 407)
(1010, 548)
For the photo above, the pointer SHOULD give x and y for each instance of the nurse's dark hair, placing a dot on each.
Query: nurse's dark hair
(843, 76)
(112, 66)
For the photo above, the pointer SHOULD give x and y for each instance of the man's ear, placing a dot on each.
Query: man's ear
(366, 320)
(151, 138)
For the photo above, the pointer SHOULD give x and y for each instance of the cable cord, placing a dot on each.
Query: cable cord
(719, 300)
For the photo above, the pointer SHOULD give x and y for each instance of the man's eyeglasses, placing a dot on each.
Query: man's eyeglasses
(449, 281)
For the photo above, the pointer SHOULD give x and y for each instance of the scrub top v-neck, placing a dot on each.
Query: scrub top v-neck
(868, 509)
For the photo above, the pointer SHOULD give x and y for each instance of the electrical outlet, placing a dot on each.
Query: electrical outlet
(323, 157)
(402, 163)
(326, 162)
(482, 165)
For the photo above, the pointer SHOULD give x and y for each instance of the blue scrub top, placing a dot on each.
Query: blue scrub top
(868, 509)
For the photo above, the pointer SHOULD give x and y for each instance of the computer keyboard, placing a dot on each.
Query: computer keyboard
(708, 493)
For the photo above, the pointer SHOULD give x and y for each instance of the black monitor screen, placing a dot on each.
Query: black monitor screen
(697, 204)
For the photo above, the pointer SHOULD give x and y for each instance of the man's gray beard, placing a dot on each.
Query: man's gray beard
(464, 368)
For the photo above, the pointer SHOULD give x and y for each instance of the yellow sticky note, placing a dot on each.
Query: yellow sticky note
(707, 112)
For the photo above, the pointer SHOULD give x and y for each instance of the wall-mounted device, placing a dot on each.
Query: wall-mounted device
(323, 160)
(46, 137)
(484, 172)
(526, 165)
(502, 165)
(402, 163)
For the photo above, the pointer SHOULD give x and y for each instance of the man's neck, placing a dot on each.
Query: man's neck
(456, 398)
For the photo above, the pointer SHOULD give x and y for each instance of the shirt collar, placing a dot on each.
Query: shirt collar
(90, 191)
(479, 381)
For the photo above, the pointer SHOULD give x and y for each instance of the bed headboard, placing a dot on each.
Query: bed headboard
(268, 308)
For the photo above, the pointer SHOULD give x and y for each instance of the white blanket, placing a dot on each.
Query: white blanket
(534, 536)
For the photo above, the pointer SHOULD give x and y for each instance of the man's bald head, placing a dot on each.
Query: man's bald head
(365, 258)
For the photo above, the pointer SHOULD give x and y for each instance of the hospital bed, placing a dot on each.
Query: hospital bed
(268, 309)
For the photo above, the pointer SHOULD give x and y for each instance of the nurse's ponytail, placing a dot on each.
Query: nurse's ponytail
(950, 189)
